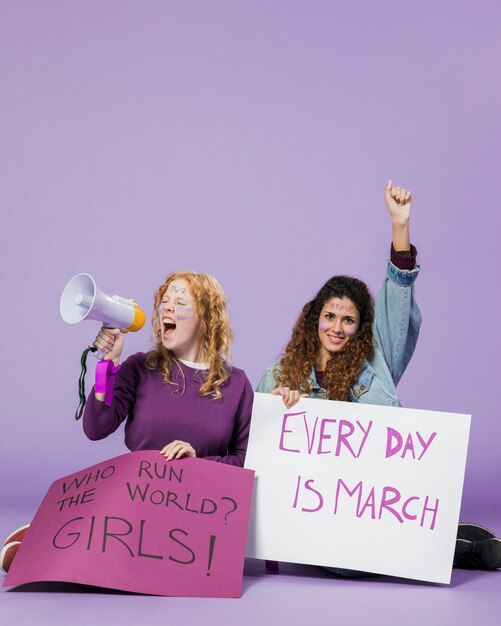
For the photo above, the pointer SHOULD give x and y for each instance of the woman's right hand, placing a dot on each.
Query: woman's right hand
(398, 202)
(110, 341)
(289, 396)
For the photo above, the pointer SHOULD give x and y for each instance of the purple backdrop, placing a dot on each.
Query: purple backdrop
(251, 140)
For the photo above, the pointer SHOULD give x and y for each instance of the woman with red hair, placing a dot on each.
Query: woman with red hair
(183, 398)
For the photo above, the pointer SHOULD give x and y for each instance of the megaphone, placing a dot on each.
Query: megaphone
(83, 300)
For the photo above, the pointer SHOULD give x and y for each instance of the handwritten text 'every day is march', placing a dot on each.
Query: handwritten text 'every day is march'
(300, 434)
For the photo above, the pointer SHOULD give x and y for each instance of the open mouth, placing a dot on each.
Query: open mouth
(168, 328)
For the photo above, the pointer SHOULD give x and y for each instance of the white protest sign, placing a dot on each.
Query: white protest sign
(355, 486)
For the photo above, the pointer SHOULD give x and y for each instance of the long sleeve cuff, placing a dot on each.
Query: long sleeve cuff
(403, 260)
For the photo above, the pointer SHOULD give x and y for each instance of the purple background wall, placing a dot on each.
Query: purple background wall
(251, 140)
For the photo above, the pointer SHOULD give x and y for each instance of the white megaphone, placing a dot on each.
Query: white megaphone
(82, 300)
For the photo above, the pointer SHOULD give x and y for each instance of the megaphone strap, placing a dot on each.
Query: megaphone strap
(81, 382)
(105, 375)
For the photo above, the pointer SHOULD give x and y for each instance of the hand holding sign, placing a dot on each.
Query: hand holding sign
(141, 524)
(363, 487)
(177, 449)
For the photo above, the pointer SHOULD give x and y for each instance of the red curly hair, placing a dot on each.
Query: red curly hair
(215, 332)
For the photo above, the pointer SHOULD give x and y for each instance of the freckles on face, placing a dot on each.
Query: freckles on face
(179, 323)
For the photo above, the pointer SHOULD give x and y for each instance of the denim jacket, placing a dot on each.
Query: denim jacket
(395, 331)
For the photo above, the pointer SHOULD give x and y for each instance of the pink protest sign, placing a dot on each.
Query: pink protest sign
(139, 523)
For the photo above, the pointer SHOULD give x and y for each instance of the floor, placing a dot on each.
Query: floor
(299, 594)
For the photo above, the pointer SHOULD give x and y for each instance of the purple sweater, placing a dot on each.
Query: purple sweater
(157, 413)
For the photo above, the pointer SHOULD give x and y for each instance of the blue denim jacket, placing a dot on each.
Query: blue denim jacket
(395, 331)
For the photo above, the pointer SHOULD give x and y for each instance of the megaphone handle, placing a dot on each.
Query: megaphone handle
(99, 354)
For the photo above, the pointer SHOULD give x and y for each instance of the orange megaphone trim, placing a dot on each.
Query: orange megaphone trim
(138, 321)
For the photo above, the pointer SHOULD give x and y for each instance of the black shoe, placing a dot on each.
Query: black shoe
(474, 532)
(484, 554)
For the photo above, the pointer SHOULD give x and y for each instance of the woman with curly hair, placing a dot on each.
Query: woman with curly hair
(345, 347)
(182, 398)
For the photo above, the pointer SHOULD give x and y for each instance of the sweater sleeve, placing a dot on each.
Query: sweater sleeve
(403, 260)
(237, 446)
(100, 419)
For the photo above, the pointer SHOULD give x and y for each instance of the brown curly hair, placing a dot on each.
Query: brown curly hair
(215, 332)
(302, 350)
